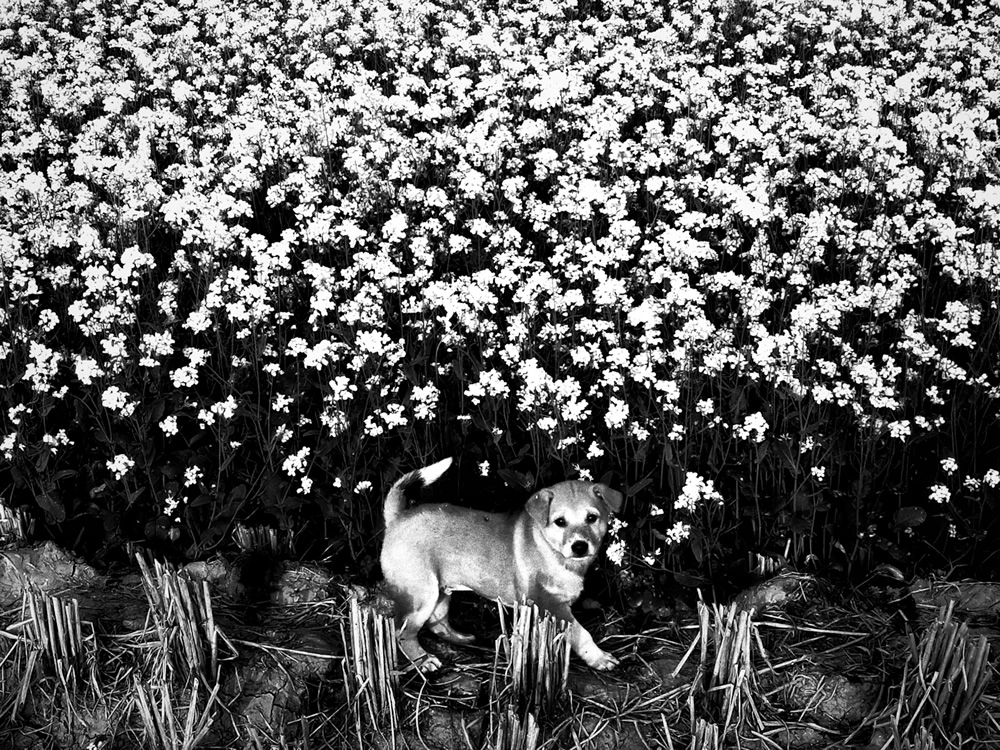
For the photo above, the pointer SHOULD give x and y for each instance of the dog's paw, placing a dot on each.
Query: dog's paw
(428, 664)
(601, 660)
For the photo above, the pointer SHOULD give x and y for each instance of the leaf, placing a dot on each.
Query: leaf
(51, 505)
(515, 479)
(156, 411)
(910, 516)
(690, 579)
(411, 373)
(889, 571)
(698, 547)
(638, 487)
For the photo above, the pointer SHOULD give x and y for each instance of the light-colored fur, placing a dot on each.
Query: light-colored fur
(539, 554)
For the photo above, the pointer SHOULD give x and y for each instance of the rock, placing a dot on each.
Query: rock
(970, 597)
(299, 583)
(601, 733)
(220, 575)
(832, 700)
(441, 728)
(268, 688)
(605, 688)
(777, 592)
(44, 566)
(663, 670)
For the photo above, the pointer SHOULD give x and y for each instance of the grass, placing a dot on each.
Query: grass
(71, 672)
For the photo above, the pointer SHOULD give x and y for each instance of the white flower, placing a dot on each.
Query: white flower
(120, 465)
(115, 399)
(335, 420)
(992, 477)
(43, 366)
(362, 486)
(87, 369)
(192, 475)
(696, 490)
(949, 465)
(900, 429)
(425, 401)
(818, 472)
(296, 463)
(372, 427)
(8, 445)
(169, 425)
(940, 494)
(490, 383)
(678, 532)
(184, 377)
(754, 424)
(170, 504)
(198, 321)
(616, 552)
(47, 320)
(617, 413)
(225, 409)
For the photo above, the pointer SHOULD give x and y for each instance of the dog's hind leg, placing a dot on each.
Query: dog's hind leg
(412, 612)
(439, 625)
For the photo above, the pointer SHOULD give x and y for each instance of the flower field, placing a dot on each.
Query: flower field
(739, 257)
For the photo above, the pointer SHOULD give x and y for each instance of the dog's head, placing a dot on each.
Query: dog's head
(573, 516)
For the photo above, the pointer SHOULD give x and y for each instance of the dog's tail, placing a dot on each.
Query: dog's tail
(395, 501)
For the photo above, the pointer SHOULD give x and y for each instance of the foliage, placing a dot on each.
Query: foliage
(741, 254)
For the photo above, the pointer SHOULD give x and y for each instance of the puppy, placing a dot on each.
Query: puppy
(539, 554)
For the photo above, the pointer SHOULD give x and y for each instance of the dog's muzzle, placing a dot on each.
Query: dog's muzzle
(580, 548)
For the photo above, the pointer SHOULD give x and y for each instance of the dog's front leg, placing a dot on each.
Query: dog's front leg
(582, 641)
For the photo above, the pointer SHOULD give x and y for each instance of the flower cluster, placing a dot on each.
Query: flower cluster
(747, 240)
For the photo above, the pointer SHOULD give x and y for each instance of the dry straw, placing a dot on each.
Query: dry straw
(13, 524)
(537, 648)
(515, 733)
(705, 736)
(370, 675)
(181, 610)
(946, 676)
(532, 657)
(729, 684)
(53, 626)
(163, 730)
(17, 676)
(254, 538)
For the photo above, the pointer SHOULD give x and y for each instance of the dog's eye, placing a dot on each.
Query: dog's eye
(560, 522)
(592, 518)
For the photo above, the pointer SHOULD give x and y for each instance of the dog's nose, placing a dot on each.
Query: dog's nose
(580, 548)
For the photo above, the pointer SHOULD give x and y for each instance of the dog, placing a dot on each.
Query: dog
(539, 554)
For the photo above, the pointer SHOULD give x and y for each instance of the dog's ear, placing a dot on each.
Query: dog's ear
(538, 506)
(612, 498)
